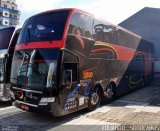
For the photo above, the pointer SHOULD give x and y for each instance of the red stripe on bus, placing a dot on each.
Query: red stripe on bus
(65, 33)
(123, 53)
(43, 44)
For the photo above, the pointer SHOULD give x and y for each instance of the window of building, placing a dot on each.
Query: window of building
(1, 23)
(5, 6)
(6, 22)
(1, 14)
(6, 14)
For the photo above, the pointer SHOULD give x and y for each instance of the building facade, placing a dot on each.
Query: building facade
(9, 14)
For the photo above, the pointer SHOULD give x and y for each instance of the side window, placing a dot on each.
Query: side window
(98, 30)
(70, 72)
(110, 34)
(81, 24)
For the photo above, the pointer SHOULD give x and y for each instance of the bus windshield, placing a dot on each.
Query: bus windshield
(5, 37)
(36, 68)
(44, 27)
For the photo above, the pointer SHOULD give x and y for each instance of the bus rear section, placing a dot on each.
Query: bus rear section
(66, 60)
(8, 39)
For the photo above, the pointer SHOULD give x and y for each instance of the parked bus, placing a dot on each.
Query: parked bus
(66, 60)
(8, 40)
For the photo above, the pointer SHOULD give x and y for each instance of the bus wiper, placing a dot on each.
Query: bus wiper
(29, 35)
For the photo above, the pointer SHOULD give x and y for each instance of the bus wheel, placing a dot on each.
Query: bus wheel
(109, 94)
(94, 98)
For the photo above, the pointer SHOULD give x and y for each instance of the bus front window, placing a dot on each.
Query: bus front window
(36, 68)
(43, 27)
(41, 74)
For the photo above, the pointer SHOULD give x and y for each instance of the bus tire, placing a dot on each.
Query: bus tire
(95, 98)
(111, 93)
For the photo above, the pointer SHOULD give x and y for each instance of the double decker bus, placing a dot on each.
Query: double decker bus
(8, 40)
(66, 60)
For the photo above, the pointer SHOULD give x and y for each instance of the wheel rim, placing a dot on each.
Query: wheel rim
(110, 92)
(95, 98)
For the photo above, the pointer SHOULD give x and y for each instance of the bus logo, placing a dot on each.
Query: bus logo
(87, 75)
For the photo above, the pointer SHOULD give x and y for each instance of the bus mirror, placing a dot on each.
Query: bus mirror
(68, 77)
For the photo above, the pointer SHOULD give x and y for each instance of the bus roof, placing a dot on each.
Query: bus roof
(65, 9)
(72, 10)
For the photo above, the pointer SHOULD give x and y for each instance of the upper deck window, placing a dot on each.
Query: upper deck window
(44, 27)
(81, 24)
(98, 30)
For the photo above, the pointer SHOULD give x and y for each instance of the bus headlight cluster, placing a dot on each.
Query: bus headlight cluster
(46, 100)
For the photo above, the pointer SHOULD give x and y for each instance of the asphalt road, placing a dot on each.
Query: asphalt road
(137, 110)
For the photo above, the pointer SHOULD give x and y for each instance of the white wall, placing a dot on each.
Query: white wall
(14, 1)
(6, 13)
(4, 22)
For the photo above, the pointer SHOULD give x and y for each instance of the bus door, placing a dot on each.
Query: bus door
(70, 86)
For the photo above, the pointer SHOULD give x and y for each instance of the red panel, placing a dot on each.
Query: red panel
(43, 44)
(67, 27)
(123, 53)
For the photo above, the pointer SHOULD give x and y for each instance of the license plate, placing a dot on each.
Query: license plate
(25, 107)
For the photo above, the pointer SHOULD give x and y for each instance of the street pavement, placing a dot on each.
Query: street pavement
(139, 110)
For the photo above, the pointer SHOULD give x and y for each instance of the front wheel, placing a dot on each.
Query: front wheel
(94, 98)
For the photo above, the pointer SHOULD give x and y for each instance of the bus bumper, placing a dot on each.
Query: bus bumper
(34, 101)
(31, 108)
(53, 108)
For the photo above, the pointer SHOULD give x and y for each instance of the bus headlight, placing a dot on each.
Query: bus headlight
(46, 100)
